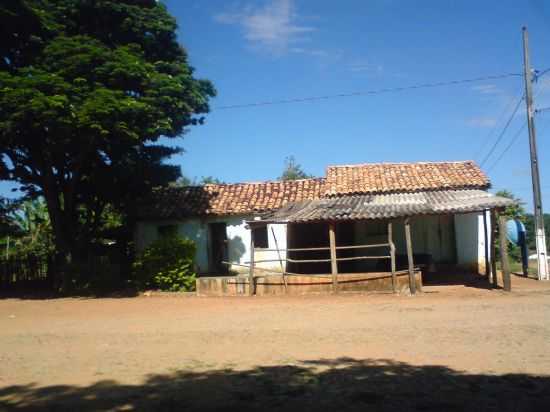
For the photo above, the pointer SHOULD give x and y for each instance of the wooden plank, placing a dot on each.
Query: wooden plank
(307, 249)
(364, 258)
(256, 268)
(362, 246)
(487, 251)
(494, 277)
(280, 260)
(412, 283)
(333, 261)
(251, 284)
(505, 263)
(392, 257)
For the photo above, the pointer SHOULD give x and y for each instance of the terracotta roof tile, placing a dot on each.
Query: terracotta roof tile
(403, 177)
(376, 178)
(229, 199)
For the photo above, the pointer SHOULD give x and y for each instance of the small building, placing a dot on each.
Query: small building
(367, 208)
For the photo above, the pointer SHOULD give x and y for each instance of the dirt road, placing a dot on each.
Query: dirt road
(444, 349)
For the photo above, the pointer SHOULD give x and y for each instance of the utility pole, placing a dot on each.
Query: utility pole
(540, 239)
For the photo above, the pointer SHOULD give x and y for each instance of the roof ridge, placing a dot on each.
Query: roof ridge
(261, 182)
(404, 163)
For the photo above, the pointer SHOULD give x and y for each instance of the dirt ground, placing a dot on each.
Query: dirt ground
(453, 347)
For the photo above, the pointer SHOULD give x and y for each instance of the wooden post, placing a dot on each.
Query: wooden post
(392, 254)
(251, 283)
(333, 261)
(505, 264)
(494, 249)
(412, 283)
(487, 252)
(280, 260)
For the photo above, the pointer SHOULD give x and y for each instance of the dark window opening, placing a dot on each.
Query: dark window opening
(165, 231)
(218, 248)
(260, 237)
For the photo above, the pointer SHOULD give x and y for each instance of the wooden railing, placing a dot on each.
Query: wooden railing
(334, 259)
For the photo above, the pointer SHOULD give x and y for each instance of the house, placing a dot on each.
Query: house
(444, 205)
(215, 217)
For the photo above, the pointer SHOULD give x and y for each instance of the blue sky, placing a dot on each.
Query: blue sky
(257, 51)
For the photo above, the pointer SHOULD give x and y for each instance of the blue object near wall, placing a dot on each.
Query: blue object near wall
(516, 233)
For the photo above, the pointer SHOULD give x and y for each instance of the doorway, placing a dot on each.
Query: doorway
(218, 247)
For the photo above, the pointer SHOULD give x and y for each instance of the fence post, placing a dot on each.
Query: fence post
(333, 261)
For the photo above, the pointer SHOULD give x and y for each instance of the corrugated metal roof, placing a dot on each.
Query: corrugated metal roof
(384, 206)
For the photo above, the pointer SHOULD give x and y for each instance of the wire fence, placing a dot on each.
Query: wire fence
(28, 272)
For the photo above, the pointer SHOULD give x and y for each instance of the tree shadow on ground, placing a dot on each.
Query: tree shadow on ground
(30, 294)
(319, 385)
(456, 278)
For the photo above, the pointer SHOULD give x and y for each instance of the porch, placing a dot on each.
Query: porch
(374, 240)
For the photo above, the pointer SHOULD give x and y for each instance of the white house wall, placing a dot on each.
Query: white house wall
(238, 240)
(470, 241)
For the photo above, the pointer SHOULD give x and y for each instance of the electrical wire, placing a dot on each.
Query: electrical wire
(501, 135)
(518, 133)
(367, 92)
(498, 122)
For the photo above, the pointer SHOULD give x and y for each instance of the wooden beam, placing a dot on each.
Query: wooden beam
(333, 261)
(251, 283)
(487, 251)
(412, 283)
(505, 264)
(494, 277)
(392, 257)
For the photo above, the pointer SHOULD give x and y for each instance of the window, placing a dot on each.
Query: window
(260, 237)
(167, 230)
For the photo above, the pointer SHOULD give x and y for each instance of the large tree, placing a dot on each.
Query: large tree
(87, 87)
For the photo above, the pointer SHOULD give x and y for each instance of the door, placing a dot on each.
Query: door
(218, 247)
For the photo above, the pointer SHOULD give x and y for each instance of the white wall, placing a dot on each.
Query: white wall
(238, 238)
(470, 240)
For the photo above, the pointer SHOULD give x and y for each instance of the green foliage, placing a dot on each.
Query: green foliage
(293, 171)
(33, 235)
(516, 211)
(86, 89)
(530, 227)
(8, 226)
(167, 264)
(205, 180)
(211, 180)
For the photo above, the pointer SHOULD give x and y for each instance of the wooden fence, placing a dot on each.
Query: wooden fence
(334, 258)
(28, 272)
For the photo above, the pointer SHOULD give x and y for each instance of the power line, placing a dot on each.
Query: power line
(367, 92)
(542, 110)
(518, 133)
(501, 135)
(494, 128)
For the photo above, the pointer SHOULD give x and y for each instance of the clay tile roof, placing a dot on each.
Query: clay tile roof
(403, 177)
(229, 199)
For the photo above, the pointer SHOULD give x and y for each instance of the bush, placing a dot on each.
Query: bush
(167, 264)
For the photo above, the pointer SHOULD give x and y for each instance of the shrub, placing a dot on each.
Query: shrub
(167, 264)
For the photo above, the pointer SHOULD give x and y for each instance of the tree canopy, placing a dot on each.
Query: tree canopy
(293, 170)
(516, 211)
(87, 88)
